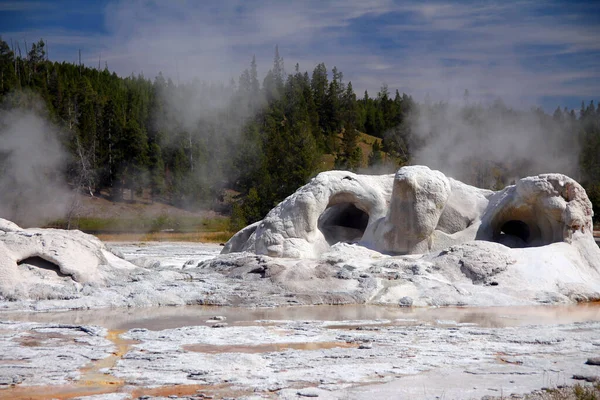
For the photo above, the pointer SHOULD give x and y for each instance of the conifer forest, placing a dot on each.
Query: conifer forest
(255, 141)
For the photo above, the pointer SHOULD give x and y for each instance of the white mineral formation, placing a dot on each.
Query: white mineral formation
(444, 242)
(50, 258)
(334, 207)
(417, 211)
(416, 238)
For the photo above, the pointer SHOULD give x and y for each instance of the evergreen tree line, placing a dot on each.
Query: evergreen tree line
(185, 144)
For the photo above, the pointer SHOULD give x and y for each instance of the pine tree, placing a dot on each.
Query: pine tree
(333, 111)
(108, 134)
(557, 115)
(134, 150)
(254, 85)
(350, 155)
(375, 158)
(319, 85)
(8, 76)
(270, 87)
(278, 72)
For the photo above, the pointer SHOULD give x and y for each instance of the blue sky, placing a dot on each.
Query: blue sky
(528, 52)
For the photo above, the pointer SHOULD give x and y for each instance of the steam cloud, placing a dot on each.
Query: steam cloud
(467, 142)
(31, 162)
(206, 120)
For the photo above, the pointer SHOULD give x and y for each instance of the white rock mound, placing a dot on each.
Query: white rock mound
(336, 206)
(416, 238)
(416, 211)
(33, 262)
(432, 239)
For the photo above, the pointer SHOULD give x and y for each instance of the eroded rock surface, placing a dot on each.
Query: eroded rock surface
(47, 354)
(424, 236)
(41, 264)
(335, 206)
(416, 211)
(347, 359)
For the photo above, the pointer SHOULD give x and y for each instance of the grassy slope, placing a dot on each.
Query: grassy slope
(364, 142)
(144, 220)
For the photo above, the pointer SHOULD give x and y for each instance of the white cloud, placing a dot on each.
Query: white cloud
(440, 48)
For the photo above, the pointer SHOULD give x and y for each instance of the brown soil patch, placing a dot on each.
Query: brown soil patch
(13, 362)
(266, 347)
(102, 207)
(72, 391)
(38, 339)
(201, 237)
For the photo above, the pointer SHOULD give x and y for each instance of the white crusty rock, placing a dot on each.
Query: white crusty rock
(428, 211)
(432, 239)
(416, 211)
(335, 206)
(9, 226)
(538, 210)
(33, 261)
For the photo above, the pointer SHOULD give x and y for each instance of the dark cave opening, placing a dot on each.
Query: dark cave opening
(343, 222)
(515, 233)
(41, 263)
(516, 228)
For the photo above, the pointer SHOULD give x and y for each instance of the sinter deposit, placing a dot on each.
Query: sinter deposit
(421, 238)
(416, 238)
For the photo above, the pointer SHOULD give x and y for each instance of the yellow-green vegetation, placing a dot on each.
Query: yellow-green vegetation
(160, 228)
(577, 392)
(140, 224)
(365, 143)
(204, 237)
(326, 163)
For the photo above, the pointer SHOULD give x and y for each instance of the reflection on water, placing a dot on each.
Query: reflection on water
(159, 318)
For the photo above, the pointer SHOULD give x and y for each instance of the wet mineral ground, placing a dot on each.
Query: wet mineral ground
(328, 352)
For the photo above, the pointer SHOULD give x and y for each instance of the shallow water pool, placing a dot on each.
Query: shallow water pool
(158, 318)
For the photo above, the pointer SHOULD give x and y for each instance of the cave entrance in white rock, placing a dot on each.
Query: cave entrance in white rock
(516, 228)
(343, 222)
(516, 233)
(41, 263)
(525, 226)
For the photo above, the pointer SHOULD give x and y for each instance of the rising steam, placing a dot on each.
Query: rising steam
(478, 144)
(31, 166)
